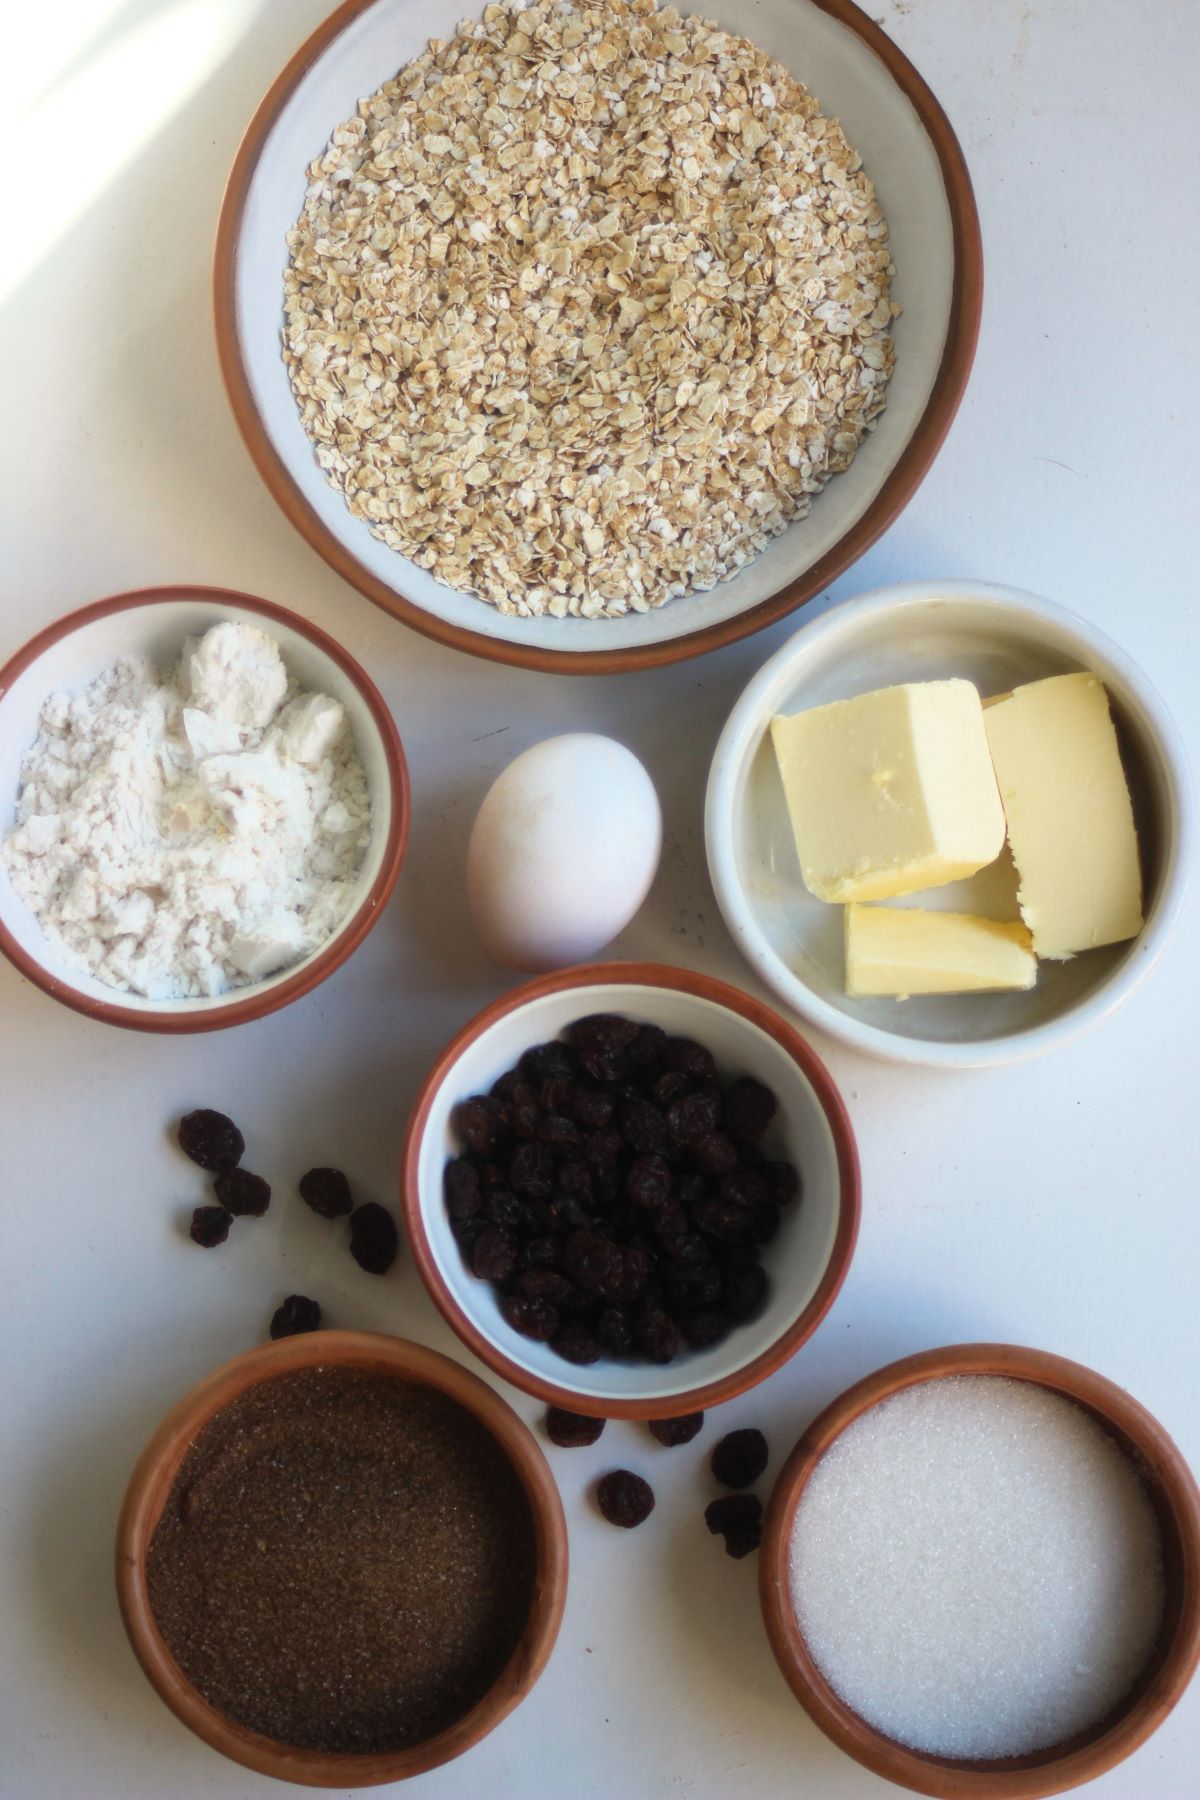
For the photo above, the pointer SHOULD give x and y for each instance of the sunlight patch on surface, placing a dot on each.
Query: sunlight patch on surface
(90, 126)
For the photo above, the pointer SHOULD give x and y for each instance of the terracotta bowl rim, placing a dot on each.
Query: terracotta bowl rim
(910, 469)
(150, 1484)
(756, 1012)
(1043, 1772)
(253, 1002)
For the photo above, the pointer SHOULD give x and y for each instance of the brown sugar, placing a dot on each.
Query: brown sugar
(345, 1561)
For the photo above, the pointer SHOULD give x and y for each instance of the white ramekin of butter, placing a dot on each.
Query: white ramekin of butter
(950, 823)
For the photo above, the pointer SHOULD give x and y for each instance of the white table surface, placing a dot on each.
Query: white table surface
(1052, 1204)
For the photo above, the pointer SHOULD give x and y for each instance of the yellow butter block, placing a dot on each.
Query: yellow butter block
(1070, 820)
(891, 792)
(907, 950)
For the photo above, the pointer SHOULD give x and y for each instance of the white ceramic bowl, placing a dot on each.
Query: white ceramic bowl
(155, 622)
(806, 1262)
(922, 631)
(909, 150)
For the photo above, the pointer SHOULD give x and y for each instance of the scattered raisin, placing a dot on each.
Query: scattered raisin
(211, 1140)
(677, 1431)
(624, 1498)
(374, 1239)
(209, 1227)
(242, 1194)
(739, 1519)
(571, 1430)
(328, 1193)
(740, 1458)
(295, 1315)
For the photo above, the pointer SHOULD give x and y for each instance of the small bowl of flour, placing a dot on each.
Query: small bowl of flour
(205, 805)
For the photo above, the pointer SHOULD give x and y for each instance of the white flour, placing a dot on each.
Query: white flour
(183, 833)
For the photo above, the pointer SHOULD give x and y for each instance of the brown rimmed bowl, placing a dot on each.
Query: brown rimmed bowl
(807, 1260)
(908, 148)
(151, 1484)
(1176, 1501)
(155, 622)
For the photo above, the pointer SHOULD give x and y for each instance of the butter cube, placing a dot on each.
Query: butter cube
(890, 792)
(906, 950)
(1070, 819)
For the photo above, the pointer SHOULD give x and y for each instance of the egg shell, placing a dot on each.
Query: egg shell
(563, 851)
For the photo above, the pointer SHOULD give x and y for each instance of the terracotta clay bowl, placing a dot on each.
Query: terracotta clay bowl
(806, 1262)
(151, 1483)
(909, 150)
(1176, 1501)
(155, 622)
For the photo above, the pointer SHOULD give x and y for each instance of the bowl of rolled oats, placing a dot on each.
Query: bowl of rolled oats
(593, 336)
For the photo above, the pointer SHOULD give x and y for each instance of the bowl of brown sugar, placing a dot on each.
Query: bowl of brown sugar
(342, 1560)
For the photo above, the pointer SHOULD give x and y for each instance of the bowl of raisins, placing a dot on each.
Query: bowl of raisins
(632, 1190)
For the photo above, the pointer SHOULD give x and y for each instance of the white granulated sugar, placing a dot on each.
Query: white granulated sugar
(976, 1568)
(184, 832)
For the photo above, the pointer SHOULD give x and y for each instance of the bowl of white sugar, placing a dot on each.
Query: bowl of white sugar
(981, 1573)
(204, 806)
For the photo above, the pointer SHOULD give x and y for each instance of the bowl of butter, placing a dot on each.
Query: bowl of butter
(950, 823)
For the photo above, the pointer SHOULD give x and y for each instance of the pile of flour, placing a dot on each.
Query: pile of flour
(182, 833)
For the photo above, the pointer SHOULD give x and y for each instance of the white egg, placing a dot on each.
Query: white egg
(563, 851)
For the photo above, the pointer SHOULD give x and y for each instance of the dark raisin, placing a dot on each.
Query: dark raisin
(672, 1432)
(544, 1284)
(544, 1062)
(532, 1316)
(571, 1430)
(719, 1221)
(648, 1047)
(656, 1335)
(694, 1116)
(602, 1031)
(740, 1458)
(601, 1149)
(574, 1180)
(742, 1188)
(635, 1270)
(211, 1140)
(744, 1292)
(328, 1193)
(764, 1221)
(480, 1122)
(374, 1239)
(209, 1227)
(643, 1127)
(556, 1093)
(690, 1059)
(698, 1285)
(532, 1171)
(624, 1498)
(495, 1255)
(648, 1180)
(670, 1086)
(687, 1251)
(565, 1215)
(461, 1183)
(506, 1086)
(703, 1327)
(582, 1303)
(783, 1183)
(614, 1329)
(295, 1315)
(749, 1108)
(713, 1154)
(739, 1519)
(242, 1194)
(561, 1134)
(578, 1343)
(502, 1207)
(593, 1261)
(524, 1120)
(540, 1253)
(737, 1256)
(591, 1109)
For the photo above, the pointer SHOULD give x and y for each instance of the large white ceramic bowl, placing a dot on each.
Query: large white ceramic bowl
(923, 631)
(806, 1262)
(155, 622)
(908, 149)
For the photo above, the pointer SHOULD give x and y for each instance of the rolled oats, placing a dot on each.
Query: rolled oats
(585, 305)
